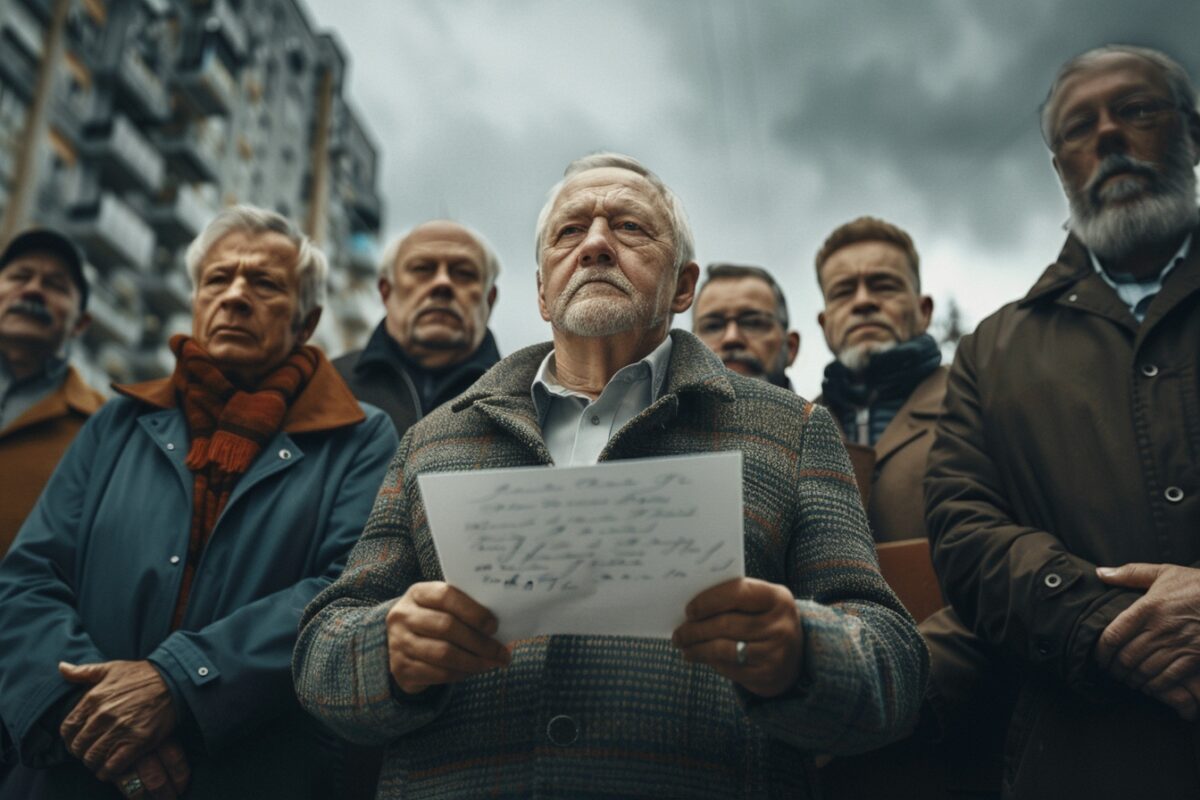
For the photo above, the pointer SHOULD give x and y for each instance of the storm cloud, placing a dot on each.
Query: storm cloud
(774, 121)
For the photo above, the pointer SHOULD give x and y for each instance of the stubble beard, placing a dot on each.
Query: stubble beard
(1166, 207)
(607, 314)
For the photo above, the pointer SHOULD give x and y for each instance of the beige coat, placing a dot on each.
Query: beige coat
(32, 445)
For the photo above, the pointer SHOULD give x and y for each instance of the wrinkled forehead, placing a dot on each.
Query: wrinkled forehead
(608, 188)
(260, 248)
(1109, 74)
(734, 295)
(441, 241)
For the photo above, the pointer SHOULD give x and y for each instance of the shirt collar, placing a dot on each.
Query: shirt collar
(546, 385)
(1116, 280)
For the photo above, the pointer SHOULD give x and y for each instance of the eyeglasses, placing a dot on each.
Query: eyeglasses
(1138, 112)
(751, 323)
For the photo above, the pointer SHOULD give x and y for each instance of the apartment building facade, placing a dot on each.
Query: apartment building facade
(129, 123)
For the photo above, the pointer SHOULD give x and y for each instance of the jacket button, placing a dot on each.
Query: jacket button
(1149, 370)
(174, 559)
(170, 445)
(202, 672)
(1052, 580)
(285, 454)
(595, 419)
(1043, 647)
(562, 731)
(1073, 298)
(1173, 494)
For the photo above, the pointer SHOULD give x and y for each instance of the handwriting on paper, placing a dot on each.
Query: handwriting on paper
(590, 549)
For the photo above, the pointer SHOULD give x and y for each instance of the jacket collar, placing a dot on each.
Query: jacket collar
(326, 402)
(382, 350)
(1074, 265)
(921, 408)
(693, 368)
(73, 394)
(504, 392)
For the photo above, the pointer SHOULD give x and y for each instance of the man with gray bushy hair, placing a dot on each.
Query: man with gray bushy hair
(809, 653)
(1062, 492)
(149, 604)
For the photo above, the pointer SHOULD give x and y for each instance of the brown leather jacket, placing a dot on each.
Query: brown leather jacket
(32, 445)
(1071, 439)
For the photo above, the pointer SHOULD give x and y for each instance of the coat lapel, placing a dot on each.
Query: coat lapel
(915, 417)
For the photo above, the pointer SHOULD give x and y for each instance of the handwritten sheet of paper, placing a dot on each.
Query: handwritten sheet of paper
(616, 548)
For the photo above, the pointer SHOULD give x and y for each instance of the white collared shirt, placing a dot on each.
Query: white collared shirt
(575, 427)
(1138, 294)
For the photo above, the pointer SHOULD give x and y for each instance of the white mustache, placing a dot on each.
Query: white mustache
(612, 278)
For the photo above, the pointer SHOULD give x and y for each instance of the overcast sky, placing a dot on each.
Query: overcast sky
(773, 121)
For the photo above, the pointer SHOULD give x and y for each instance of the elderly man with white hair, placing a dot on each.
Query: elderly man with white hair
(810, 653)
(149, 605)
(438, 286)
(1062, 491)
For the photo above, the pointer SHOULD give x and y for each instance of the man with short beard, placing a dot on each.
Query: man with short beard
(43, 401)
(741, 314)
(810, 653)
(438, 285)
(1062, 491)
(886, 386)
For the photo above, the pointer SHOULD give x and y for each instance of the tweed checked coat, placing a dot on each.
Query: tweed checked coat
(647, 723)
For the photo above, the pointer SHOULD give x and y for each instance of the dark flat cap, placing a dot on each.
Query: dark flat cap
(49, 241)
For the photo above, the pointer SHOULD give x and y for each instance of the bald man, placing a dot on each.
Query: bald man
(438, 285)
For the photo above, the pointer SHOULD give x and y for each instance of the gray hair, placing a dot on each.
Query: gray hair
(681, 231)
(312, 269)
(491, 262)
(716, 272)
(1182, 91)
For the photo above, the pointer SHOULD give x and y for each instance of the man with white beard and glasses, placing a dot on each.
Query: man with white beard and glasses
(809, 653)
(1062, 491)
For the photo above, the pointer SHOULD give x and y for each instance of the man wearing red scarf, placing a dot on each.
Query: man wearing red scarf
(149, 606)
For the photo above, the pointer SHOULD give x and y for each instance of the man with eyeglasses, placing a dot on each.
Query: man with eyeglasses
(742, 316)
(1063, 491)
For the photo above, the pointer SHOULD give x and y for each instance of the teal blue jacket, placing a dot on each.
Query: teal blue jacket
(95, 570)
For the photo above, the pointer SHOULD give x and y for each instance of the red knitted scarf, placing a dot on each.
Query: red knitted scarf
(228, 428)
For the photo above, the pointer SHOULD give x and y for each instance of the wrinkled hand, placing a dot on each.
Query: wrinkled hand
(437, 634)
(761, 614)
(1154, 645)
(125, 715)
(164, 774)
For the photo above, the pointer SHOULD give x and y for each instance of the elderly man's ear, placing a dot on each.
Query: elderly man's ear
(307, 326)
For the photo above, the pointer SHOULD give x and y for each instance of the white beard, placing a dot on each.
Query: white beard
(856, 357)
(605, 314)
(1166, 207)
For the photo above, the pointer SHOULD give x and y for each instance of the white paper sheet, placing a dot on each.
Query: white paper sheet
(616, 548)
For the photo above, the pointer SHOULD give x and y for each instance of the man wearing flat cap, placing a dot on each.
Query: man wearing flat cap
(43, 401)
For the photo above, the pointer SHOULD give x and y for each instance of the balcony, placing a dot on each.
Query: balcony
(365, 210)
(141, 90)
(25, 30)
(116, 316)
(125, 157)
(224, 25)
(180, 216)
(168, 291)
(208, 87)
(360, 254)
(194, 152)
(113, 234)
(17, 68)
